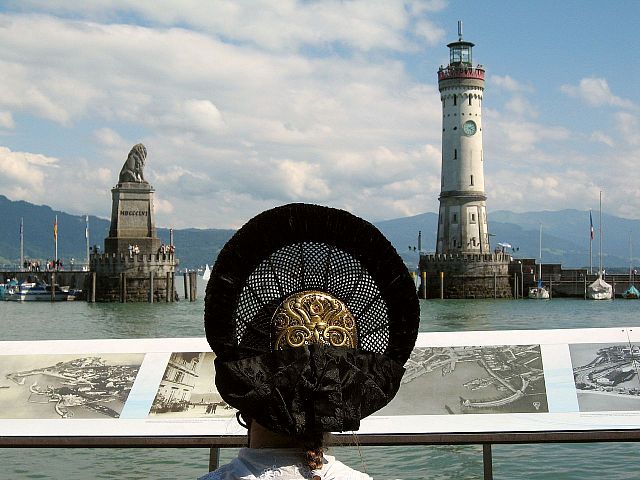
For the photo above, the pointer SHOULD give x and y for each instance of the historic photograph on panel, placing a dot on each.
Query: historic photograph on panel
(463, 380)
(66, 386)
(188, 388)
(606, 376)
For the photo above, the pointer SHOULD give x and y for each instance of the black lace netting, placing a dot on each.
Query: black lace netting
(315, 388)
(310, 266)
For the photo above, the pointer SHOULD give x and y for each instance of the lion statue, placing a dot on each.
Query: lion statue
(133, 166)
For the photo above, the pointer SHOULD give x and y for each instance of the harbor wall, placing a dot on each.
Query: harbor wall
(122, 277)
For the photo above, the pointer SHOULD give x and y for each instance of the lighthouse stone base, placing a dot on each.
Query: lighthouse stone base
(466, 275)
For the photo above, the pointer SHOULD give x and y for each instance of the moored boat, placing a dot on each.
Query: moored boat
(600, 290)
(631, 293)
(539, 292)
(39, 291)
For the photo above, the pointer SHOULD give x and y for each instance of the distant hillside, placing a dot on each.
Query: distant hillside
(565, 236)
(195, 247)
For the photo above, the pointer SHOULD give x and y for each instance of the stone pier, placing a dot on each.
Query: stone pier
(466, 275)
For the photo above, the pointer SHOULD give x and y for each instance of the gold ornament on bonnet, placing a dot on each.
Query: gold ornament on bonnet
(313, 317)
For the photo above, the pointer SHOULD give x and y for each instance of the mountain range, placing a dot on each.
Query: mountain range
(565, 236)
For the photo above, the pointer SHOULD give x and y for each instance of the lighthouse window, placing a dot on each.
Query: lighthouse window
(473, 218)
(454, 100)
(455, 218)
(455, 153)
(444, 102)
(472, 180)
(469, 99)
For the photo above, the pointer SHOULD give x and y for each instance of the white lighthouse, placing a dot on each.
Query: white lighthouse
(462, 223)
(463, 265)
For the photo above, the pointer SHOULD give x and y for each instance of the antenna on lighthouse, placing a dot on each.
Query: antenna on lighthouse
(459, 30)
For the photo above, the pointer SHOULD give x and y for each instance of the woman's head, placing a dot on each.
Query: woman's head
(311, 314)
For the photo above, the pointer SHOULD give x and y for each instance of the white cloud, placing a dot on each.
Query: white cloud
(6, 120)
(108, 137)
(509, 84)
(23, 171)
(511, 135)
(596, 93)
(602, 137)
(429, 31)
(520, 106)
(283, 25)
(628, 125)
(239, 115)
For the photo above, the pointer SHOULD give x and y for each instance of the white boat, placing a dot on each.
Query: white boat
(539, 292)
(40, 291)
(207, 273)
(600, 290)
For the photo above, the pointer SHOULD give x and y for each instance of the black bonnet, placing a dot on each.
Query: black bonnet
(313, 388)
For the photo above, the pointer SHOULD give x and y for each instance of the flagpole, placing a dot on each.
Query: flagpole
(590, 243)
(55, 241)
(21, 243)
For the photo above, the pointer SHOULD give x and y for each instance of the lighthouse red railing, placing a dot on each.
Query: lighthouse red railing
(461, 72)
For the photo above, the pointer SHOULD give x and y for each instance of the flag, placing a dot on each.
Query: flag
(591, 225)
(55, 228)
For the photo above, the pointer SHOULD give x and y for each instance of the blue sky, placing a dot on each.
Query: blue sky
(246, 105)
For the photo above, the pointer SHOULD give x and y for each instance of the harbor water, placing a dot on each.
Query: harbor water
(80, 320)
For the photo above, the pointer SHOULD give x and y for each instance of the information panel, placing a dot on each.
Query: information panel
(456, 382)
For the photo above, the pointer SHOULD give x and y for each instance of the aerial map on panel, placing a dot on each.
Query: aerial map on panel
(66, 386)
(464, 380)
(606, 376)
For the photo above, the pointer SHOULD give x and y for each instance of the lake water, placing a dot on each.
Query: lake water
(79, 320)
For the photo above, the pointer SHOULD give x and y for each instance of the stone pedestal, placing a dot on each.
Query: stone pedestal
(132, 219)
(128, 274)
(466, 275)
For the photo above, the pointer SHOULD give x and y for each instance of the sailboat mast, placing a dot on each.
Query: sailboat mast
(600, 232)
(540, 254)
(86, 239)
(630, 258)
(21, 244)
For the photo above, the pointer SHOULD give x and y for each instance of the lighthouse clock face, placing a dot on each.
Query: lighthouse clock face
(469, 127)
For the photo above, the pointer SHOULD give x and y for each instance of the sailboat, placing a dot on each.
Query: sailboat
(539, 292)
(207, 273)
(600, 290)
(631, 292)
